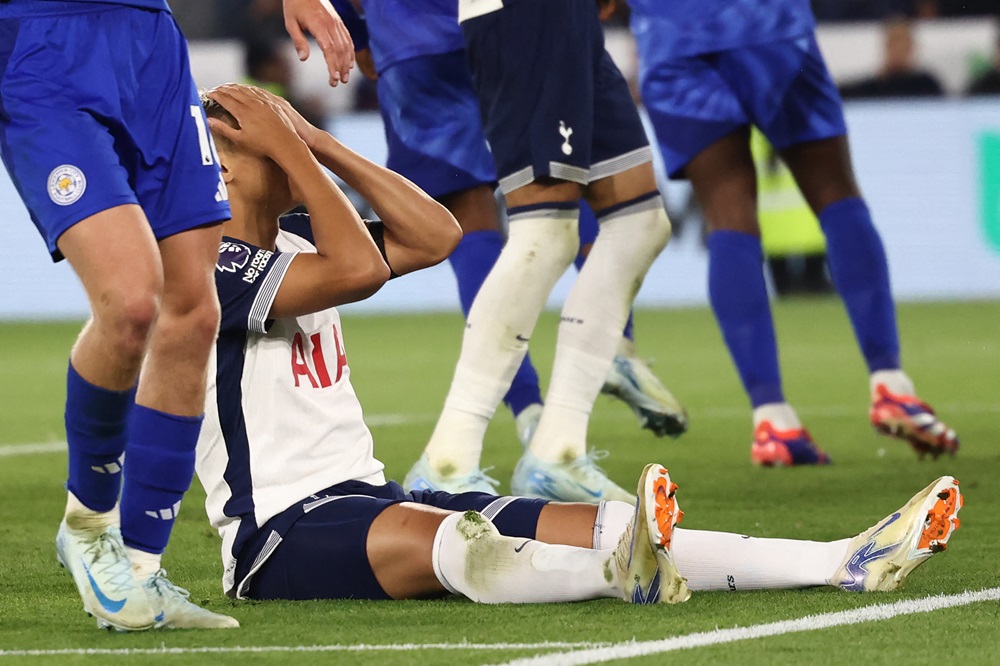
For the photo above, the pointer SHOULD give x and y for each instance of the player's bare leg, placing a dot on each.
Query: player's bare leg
(464, 553)
(540, 246)
(557, 464)
(725, 183)
(116, 258)
(173, 375)
(170, 401)
(858, 265)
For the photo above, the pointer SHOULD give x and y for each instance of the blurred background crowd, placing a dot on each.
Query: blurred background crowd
(902, 68)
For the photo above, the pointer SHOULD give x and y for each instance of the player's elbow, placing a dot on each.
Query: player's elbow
(371, 276)
(445, 237)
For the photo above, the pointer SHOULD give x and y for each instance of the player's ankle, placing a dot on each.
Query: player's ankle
(897, 381)
(80, 517)
(781, 416)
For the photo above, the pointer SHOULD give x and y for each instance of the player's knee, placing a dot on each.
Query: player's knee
(130, 320)
(649, 230)
(549, 243)
(194, 318)
(203, 320)
(658, 229)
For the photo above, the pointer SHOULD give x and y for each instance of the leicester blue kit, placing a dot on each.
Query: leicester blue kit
(98, 109)
(404, 29)
(708, 67)
(690, 27)
(428, 106)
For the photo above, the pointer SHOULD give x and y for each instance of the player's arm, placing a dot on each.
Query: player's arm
(347, 265)
(418, 231)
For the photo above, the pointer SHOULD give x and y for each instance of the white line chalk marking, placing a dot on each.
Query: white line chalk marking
(255, 649)
(808, 623)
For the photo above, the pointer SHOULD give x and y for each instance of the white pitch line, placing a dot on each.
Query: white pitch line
(873, 613)
(32, 449)
(712, 413)
(256, 649)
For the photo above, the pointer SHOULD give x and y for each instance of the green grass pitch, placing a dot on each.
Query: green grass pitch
(401, 370)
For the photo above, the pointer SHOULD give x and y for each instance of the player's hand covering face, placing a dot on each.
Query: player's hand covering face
(306, 130)
(321, 21)
(265, 128)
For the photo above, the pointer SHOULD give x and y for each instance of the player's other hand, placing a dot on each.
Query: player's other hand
(320, 19)
(366, 63)
(306, 130)
(265, 128)
(606, 8)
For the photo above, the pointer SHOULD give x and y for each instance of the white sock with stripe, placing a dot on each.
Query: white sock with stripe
(542, 243)
(631, 236)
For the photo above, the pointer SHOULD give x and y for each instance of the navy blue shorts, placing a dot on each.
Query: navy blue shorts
(317, 549)
(783, 88)
(553, 102)
(98, 109)
(432, 125)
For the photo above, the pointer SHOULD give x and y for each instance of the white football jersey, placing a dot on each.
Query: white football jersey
(282, 420)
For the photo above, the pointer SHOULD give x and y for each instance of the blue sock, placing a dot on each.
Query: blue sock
(96, 432)
(588, 234)
(472, 261)
(158, 471)
(739, 299)
(861, 275)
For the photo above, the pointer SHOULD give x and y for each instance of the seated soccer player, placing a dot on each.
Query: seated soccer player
(293, 486)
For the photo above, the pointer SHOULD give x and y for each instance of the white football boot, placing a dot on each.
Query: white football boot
(175, 611)
(100, 567)
(880, 558)
(579, 480)
(631, 380)
(422, 476)
(646, 568)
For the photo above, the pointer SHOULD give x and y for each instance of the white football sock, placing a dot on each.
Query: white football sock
(725, 561)
(612, 517)
(630, 238)
(473, 559)
(541, 245)
(144, 564)
(79, 516)
(781, 415)
(896, 381)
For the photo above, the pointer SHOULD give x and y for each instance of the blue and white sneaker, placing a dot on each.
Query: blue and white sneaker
(424, 477)
(631, 380)
(580, 480)
(175, 611)
(100, 567)
(880, 558)
(646, 569)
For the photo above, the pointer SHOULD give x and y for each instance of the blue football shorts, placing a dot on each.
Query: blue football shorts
(432, 124)
(322, 550)
(784, 88)
(98, 109)
(553, 102)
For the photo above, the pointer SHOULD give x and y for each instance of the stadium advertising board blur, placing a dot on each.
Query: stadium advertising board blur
(929, 170)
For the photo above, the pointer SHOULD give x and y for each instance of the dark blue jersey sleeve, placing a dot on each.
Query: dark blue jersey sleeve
(353, 22)
(247, 279)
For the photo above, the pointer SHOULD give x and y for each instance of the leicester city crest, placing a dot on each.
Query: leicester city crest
(66, 184)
